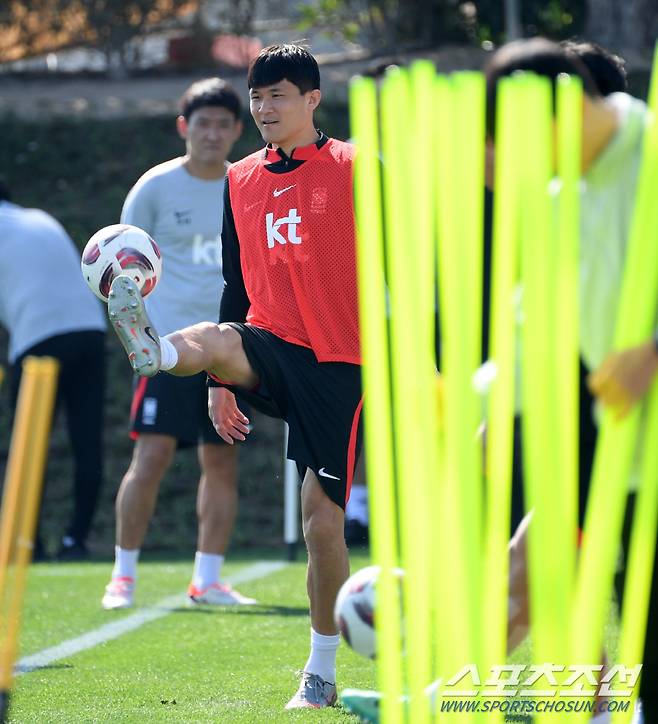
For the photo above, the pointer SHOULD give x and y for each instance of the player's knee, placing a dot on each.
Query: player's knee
(151, 458)
(229, 341)
(220, 341)
(203, 334)
(323, 526)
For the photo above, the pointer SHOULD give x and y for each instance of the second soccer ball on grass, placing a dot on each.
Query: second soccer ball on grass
(354, 612)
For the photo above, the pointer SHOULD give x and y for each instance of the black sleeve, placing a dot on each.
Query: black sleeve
(235, 302)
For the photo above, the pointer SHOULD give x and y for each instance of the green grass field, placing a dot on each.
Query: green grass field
(190, 665)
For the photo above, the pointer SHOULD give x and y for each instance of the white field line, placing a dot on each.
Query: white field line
(117, 628)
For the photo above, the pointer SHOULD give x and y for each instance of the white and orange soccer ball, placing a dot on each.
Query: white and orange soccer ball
(354, 612)
(121, 249)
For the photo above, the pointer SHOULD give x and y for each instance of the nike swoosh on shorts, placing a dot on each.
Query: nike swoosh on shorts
(325, 474)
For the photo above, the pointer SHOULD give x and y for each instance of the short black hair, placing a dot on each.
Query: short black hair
(5, 194)
(537, 55)
(289, 62)
(210, 92)
(607, 69)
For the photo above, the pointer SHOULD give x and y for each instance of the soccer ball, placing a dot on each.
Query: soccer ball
(354, 612)
(121, 249)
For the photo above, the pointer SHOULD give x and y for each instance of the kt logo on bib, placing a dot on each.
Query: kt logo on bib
(275, 229)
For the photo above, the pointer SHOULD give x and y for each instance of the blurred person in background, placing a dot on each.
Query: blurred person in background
(607, 69)
(48, 311)
(613, 133)
(179, 203)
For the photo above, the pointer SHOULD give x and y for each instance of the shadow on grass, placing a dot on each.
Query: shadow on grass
(27, 669)
(246, 610)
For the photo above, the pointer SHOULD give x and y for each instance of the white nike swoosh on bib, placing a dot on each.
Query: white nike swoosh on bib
(278, 192)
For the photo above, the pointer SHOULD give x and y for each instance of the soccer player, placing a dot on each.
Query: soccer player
(613, 129)
(608, 72)
(179, 203)
(48, 312)
(288, 340)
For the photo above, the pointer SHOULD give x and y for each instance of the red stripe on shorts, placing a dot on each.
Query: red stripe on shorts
(138, 396)
(351, 450)
(232, 384)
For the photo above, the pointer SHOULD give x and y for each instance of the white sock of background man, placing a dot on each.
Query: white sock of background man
(207, 570)
(125, 563)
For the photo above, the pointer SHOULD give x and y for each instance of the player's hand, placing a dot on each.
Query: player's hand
(625, 377)
(225, 415)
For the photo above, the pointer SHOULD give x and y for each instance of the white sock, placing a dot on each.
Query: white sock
(207, 569)
(322, 660)
(357, 505)
(168, 353)
(125, 563)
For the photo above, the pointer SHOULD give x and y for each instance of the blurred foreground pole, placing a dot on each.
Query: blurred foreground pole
(20, 503)
(618, 439)
(637, 589)
(377, 390)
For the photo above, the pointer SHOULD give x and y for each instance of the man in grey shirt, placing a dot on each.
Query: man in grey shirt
(48, 311)
(179, 203)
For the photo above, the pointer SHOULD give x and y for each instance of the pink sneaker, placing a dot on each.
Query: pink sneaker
(217, 594)
(119, 593)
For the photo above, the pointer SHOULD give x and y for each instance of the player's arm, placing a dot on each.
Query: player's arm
(625, 377)
(228, 420)
(235, 302)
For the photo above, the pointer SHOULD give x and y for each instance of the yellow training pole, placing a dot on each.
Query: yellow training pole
(401, 258)
(424, 492)
(645, 525)
(549, 601)
(20, 504)
(500, 418)
(617, 441)
(569, 99)
(459, 111)
(377, 392)
(640, 557)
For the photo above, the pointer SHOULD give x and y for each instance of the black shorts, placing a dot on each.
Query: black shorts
(175, 406)
(320, 401)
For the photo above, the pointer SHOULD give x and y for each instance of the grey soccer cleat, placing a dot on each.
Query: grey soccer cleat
(128, 316)
(313, 693)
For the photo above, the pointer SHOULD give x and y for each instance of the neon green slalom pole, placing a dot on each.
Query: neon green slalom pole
(459, 112)
(569, 99)
(376, 387)
(469, 96)
(500, 413)
(618, 439)
(538, 375)
(422, 151)
(402, 258)
(642, 551)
